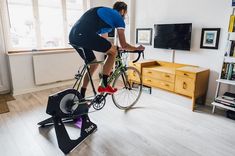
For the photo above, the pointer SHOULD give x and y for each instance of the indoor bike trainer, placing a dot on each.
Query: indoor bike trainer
(62, 114)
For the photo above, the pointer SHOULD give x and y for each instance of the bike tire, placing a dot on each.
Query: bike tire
(127, 95)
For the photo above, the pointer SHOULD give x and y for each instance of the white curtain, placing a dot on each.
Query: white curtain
(4, 78)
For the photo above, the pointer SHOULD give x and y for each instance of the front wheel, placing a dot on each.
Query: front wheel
(129, 88)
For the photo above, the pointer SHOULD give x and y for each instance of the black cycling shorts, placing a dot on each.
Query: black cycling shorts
(89, 42)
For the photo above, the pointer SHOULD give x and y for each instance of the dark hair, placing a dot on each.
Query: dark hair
(119, 6)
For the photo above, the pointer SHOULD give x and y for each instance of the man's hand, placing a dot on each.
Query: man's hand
(140, 48)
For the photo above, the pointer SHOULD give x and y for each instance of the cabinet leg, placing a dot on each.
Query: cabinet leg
(213, 109)
(201, 100)
(193, 103)
(204, 99)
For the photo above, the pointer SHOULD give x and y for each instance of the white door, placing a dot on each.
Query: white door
(4, 78)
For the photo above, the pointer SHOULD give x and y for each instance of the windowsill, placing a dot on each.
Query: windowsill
(42, 51)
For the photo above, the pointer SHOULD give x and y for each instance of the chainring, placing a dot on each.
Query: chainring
(99, 102)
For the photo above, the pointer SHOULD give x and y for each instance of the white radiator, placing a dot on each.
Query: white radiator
(55, 67)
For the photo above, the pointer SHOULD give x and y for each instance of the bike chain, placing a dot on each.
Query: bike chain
(97, 106)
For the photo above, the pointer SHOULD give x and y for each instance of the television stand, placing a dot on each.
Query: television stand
(187, 80)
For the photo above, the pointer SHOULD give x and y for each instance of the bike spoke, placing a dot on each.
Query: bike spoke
(128, 92)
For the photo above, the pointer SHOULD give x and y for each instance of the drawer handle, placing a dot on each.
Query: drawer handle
(149, 72)
(148, 80)
(185, 74)
(184, 85)
(165, 84)
(167, 75)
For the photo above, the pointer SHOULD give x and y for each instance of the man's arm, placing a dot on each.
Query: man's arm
(122, 40)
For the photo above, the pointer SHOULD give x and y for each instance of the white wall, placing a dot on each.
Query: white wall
(22, 71)
(202, 14)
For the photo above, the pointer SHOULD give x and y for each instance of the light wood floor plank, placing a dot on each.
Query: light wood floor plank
(154, 127)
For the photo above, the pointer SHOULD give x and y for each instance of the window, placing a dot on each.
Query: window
(42, 24)
(22, 29)
(74, 11)
(51, 23)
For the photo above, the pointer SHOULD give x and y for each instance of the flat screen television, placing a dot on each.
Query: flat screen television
(173, 36)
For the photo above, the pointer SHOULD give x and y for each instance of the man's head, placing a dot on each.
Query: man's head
(121, 7)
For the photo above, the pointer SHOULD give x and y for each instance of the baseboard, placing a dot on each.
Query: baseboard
(5, 92)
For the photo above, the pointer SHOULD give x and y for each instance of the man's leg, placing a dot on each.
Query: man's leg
(93, 68)
(107, 68)
(100, 44)
(109, 62)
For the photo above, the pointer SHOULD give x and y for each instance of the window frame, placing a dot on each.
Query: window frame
(35, 11)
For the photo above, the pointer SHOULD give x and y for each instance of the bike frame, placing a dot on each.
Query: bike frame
(119, 66)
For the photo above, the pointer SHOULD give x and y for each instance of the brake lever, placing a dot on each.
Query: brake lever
(139, 54)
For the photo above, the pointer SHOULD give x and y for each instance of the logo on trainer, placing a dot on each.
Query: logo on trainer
(89, 128)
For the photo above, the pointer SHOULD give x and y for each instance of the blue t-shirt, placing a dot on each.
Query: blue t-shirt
(112, 18)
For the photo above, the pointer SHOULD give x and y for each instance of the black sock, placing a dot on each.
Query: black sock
(105, 80)
(83, 92)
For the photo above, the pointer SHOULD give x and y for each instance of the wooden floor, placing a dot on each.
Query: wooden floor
(154, 128)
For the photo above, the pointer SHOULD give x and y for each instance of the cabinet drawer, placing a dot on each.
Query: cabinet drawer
(133, 76)
(158, 83)
(150, 81)
(166, 85)
(185, 86)
(185, 74)
(158, 75)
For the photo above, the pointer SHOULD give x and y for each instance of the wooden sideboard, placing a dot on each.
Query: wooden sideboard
(183, 79)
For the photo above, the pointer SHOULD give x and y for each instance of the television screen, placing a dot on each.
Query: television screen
(173, 36)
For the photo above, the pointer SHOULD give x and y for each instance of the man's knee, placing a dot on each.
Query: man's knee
(94, 66)
(112, 51)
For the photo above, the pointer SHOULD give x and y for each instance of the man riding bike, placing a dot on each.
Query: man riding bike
(90, 33)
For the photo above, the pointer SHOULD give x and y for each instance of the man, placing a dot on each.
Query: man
(90, 31)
